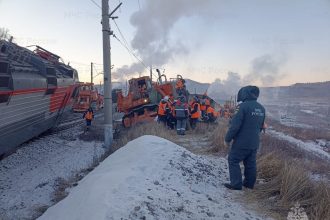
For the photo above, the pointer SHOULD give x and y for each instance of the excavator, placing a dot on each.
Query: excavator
(144, 95)
(88, 97)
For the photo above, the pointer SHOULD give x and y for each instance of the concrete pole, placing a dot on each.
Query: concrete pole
(151, 73)
(91, 72)
(108, 135)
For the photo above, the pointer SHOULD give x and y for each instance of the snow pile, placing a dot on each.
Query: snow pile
(152, 178)
(315, 148)
(307, 111)
(28, 177)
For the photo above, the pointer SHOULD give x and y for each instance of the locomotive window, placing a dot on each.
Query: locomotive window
(51, 71)
(4, 81)
(3, 67)
(52, 80)
(141, 82)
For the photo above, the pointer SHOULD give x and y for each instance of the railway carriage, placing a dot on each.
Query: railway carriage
(36, 88)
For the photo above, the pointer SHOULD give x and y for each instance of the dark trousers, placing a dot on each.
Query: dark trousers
(250, 168)
(193, 123)
(181, 126)
(162, 119)
(171, 121)
(88, 122)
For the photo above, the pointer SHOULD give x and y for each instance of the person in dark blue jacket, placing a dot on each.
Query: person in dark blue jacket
(244, 131)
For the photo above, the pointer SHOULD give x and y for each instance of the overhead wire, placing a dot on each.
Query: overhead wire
(131, 52)
(121, 34)
(123, 37)
(126, 45)
(97, 5)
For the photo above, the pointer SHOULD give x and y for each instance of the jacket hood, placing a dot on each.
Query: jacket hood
(248, 93)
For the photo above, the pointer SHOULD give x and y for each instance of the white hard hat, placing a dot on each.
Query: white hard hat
(166, 98)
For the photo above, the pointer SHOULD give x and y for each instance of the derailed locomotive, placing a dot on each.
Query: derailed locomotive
(36, 88)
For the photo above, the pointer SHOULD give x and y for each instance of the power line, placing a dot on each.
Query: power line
(97, 5)
(131, 52)
(121, 34)
(126, 45)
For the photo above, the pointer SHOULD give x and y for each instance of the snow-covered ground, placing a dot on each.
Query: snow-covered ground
(315, 148)
(29, 177)
(153, 178)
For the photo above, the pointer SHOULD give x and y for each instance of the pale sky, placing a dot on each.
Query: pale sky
(287, 41)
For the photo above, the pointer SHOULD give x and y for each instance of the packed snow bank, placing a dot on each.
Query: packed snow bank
(152, 178)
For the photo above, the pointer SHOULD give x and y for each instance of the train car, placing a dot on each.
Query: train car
(36, 88)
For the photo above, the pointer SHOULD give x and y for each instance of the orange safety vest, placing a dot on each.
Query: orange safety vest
(161, 108)
(210, 110)
(89, 116)
(198, 113)
(214, 113)
(203, 107)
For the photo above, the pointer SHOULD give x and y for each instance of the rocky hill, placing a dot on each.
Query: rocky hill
(315, 91)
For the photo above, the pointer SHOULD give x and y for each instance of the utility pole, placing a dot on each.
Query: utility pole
(91, 72)
(108, 134)
(151, 73)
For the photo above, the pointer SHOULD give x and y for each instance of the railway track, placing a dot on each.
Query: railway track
(72, 122)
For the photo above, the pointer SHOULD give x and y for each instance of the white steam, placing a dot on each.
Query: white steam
(154, 23)
(265, 71)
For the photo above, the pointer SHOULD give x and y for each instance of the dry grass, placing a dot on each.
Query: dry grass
(285, 151)
(217, 137)
(286, 173)
(269, 166)
(60, 192)
(288, 183)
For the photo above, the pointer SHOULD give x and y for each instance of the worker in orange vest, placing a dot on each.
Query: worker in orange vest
(162, 109)
(195, 112)
(211, 114)
(88, 116)
(170, 112)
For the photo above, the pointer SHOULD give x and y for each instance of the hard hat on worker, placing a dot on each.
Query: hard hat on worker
(166, 98)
